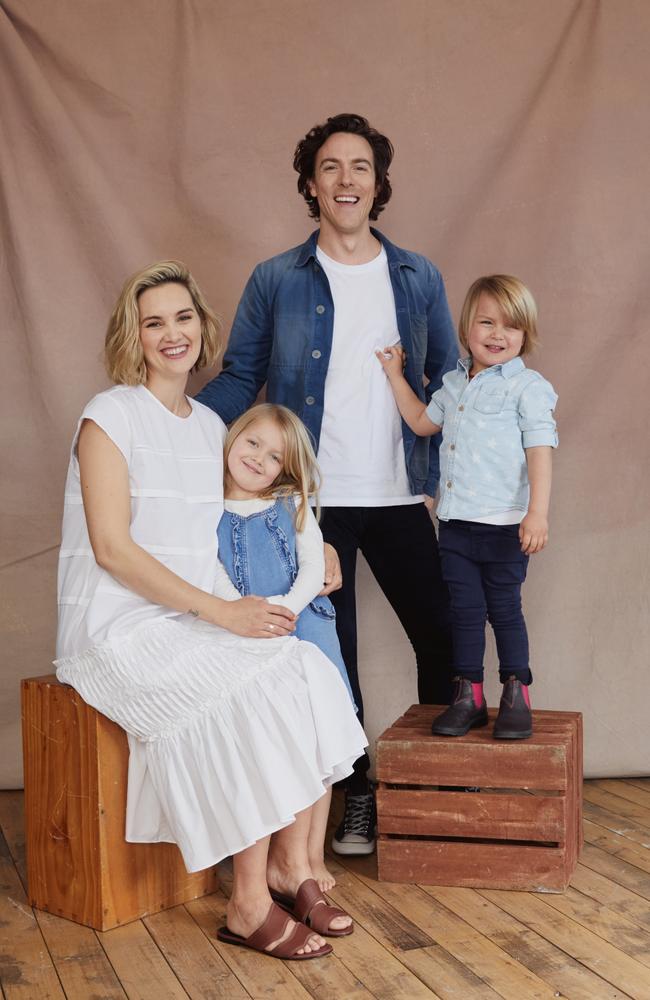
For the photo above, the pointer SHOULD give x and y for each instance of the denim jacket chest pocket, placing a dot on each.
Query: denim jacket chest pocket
(419, 334)
(490, 399)
(292, 339)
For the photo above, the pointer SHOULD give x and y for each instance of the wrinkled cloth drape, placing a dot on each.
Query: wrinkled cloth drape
(134, 132)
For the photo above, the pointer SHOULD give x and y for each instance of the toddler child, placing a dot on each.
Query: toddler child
(498, 430)
(270, 545)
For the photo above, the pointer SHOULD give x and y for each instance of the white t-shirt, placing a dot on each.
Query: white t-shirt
(176, 484)
(361, 453)
(310, 559)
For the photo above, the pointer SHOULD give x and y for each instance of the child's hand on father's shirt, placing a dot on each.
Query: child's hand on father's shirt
(392, 359)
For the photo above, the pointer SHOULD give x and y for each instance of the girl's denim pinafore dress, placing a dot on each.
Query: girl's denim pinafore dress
(259, 553)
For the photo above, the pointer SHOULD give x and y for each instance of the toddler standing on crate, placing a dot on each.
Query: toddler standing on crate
(496, 418)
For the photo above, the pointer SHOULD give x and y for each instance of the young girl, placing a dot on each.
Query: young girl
(270, 545)
(498, 430)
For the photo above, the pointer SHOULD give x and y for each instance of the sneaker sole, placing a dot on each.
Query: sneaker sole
(513, 736)
(340, 848)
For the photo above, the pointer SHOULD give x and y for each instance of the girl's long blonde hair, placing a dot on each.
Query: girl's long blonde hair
(300, 473)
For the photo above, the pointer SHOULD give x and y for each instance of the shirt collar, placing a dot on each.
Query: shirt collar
(396, 256)
(510, 368)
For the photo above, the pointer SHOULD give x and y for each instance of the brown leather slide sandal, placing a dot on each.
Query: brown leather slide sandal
(310, 907)
(273, 928)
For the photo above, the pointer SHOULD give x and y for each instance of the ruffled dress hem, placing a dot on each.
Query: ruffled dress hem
(229, 737)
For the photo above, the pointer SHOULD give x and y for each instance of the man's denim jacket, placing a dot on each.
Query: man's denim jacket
(282, 335)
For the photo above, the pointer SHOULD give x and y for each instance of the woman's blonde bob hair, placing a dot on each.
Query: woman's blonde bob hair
(123, 355)
(300, 474)
(515, 302)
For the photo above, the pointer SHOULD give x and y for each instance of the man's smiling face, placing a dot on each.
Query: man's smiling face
(344, 183)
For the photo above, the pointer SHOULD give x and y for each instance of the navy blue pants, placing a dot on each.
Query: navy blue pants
(484, 568)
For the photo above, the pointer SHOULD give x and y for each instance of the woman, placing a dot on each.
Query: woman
(231, 739)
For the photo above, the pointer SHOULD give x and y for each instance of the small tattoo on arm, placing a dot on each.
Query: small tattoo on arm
(193, 612)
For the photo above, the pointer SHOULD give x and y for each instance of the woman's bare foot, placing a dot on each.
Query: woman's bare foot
(245, 916)
(287, 881)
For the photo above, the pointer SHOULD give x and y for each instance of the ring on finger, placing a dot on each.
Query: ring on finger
(271, 628)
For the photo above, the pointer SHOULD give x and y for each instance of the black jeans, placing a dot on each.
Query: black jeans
(484, 568)
(400, 546)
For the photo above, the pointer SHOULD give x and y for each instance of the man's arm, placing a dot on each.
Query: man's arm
(441, 357)
(246, 361)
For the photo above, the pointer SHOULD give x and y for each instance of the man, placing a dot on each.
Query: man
(308, 325)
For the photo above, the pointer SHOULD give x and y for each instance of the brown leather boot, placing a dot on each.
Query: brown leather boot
(514, 721)
(462, 715)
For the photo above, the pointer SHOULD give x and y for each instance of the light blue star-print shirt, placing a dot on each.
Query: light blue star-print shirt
(487, 422)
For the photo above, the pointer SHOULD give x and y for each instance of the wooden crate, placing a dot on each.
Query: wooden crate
(78, 864)
(522, 830)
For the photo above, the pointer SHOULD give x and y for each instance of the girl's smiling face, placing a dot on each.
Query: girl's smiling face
(491, 339)
(255, 460)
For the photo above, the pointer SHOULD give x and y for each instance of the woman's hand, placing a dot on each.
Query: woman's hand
(333, 576)
(255, 618)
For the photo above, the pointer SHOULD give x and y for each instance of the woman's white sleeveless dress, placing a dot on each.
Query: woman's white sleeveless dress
(229, 737)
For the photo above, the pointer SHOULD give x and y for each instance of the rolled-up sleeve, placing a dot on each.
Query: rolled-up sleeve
(435, 410)
(536, 420)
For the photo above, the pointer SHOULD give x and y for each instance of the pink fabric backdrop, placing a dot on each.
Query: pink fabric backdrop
(135, 131)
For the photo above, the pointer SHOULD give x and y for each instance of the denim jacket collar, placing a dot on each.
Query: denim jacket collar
(396, 256)
(508, 370)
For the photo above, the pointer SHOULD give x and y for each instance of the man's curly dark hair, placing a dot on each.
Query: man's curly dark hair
(304, 160)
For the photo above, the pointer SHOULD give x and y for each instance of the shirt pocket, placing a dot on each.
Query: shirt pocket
(292, 337)
(419, 337)
(489, 400)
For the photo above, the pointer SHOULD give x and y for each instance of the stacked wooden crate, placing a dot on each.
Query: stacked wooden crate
(521, 830)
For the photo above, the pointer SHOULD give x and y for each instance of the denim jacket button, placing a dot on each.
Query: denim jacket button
(320, 310)
(310, 400)
(315, 354)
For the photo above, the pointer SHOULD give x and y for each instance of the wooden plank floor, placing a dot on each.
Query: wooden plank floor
(411, 942)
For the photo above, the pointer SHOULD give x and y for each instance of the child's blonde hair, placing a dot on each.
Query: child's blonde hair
(300, 473)
(515, 302)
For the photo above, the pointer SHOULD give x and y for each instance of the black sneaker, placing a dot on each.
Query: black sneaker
(355, 833)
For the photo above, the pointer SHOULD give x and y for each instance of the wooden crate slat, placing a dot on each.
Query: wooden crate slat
(470, 864)
(423, 714)
(462, 814)
(495, 764)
